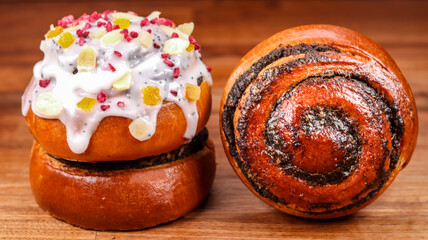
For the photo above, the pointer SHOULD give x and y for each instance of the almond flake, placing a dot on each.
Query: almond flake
(48, 105)
(175, 46)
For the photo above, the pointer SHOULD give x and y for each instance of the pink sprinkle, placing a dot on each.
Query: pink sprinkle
(85, 34)
(128, 38)
(154, 21)
(197, 46)
(113, 69)
(134, 34)
(95, 15)
(209, 68)
(166, 22)
(99, 23)
(44, 83)
(192, 39)
(92, 20)
(149, 30)
(101, 97)
(124, 31)
(168, 62)
(164, 55)
(155, 45)
(120, 104)
(144, 22)
(176, 73)
(83, 17)
(174, 35)
(79, 32)
(105, 107)
(87, 25)
(81, 41)
(174, 93)
(117, 53)
(109, 27)
(116, 27)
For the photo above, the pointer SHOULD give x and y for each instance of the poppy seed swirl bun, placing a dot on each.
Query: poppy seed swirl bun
(317, 121)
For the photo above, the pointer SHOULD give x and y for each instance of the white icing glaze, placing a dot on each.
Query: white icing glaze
(145, 65)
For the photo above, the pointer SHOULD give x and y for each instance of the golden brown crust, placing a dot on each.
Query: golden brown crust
(122, 199)
(112, 140)
(324, 76)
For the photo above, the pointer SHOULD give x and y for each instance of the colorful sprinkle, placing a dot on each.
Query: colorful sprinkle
(168, 62)
(66, 39)
(151, 95)
(104, 107)
(53, 32)
(209, 68)
(117, 53)
(174, 35)
(193, 92)
(44, 83)
(144, 22)
(120, 104)
(113, 69)
(102, 97)
(174, 93)
(176, 73)
(86, 103)
(134, 34)
(164, 55)
(155, 45)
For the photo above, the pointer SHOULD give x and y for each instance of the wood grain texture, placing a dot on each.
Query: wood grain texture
(226, 30)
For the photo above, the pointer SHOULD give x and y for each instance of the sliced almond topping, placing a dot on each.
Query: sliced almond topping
(186, 28)
(111, 38)
(128, 16)
(140, 129)
(175, 46)
(49, 105)
(145, 39)
(97, 34)
(154, 14)
(87, 59)
(123, 83)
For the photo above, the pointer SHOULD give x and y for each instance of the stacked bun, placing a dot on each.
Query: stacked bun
(117, 108)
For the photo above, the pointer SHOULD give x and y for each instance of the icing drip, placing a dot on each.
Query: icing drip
(145, 65)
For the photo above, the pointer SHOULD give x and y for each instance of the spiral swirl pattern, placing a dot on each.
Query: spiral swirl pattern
(317, 129)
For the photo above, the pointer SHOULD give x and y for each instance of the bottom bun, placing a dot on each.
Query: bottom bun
(126, 199)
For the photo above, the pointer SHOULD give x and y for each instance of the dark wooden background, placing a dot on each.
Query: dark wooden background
(226, 30)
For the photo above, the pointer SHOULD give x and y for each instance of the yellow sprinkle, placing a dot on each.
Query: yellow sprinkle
(193, 92)
(151, 95)
(54, 32)
(122, 22)
(66, 39)
(190, 48)
(86, 103)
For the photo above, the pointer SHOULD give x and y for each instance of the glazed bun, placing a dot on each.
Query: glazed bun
(114, 133)
(118, 108)
(123, 199)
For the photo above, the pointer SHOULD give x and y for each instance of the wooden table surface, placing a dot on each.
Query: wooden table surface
(226, 30)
